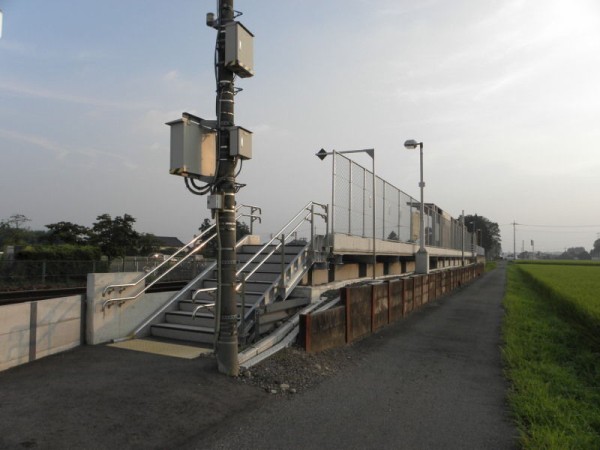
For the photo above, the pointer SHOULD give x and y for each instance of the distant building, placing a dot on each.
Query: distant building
(169, 244)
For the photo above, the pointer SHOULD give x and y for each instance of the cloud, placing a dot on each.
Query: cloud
(37, 141)
(61, 151)
(40, 92)
(171, 75)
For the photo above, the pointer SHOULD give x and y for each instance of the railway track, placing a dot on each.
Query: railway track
(11, 297)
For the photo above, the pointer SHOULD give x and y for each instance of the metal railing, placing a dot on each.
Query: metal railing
(397, 213)
(286, 280)
(192, 247)
(283, 236)
(289, 277)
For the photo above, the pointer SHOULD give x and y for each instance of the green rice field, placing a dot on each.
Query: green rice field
(552, 354)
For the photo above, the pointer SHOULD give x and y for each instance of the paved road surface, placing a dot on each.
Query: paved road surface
(431, 381)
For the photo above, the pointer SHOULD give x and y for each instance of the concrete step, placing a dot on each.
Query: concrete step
(187, 305)
(263, 276)
(205, 319)
(265, 268)
(183, 332)
(275, 258)
(205, 297)
(253, 249)
(251, 286)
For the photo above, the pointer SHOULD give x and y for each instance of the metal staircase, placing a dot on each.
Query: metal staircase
(267, 276)
(193, 319)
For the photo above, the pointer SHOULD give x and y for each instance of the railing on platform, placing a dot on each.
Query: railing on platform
(397, 213)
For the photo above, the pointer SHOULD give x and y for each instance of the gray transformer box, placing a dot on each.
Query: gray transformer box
(240, 141)
(193, 150)
(239, 50)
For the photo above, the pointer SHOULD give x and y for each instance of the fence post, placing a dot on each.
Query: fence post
(282, 281)
(43, 271)
(350, 197)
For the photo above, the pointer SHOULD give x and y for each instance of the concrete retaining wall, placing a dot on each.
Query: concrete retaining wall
(32, 330)
(117, 321)
(369, 307)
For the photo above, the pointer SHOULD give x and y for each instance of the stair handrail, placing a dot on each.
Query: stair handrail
(282, 239)
(277, 235)
(253, 216)
(122, 287)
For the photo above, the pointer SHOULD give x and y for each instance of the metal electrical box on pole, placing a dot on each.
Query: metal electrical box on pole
(239, 50)
(193, 150)
(240, 140)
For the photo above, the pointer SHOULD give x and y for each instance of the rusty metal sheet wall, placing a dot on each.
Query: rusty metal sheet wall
(409, 284)
(396, 294)
(358, 312)
(380, 310)
(322, 330)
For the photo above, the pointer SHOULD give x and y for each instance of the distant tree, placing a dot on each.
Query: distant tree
(393, 236)
(241, 230)
(67, 233)
(595, 252)
(210, 249)
(13, 231)
(578, 253)
(17, 220)
(488, 234)
(115, 237)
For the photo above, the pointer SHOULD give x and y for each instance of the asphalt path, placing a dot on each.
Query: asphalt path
(432, 381)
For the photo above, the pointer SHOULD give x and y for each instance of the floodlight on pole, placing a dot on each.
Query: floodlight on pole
(322, 154)
(421, 258)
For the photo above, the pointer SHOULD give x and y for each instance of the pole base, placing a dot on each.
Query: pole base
(227, 357)
(422, 262)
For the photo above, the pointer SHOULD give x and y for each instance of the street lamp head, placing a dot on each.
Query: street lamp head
(411, 144)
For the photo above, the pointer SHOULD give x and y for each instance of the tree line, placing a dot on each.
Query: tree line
(111, 237)
(108, 236)
(487, 234)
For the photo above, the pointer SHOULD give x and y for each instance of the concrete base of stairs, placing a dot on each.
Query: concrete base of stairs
(162, 348)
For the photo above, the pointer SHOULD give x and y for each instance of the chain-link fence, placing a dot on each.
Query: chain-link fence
(396, 215)
(19, 274)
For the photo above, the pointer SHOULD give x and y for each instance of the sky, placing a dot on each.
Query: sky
(504, 95)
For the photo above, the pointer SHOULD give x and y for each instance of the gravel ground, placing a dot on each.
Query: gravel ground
(292, 370)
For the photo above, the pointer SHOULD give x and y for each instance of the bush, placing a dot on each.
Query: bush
(64, 252)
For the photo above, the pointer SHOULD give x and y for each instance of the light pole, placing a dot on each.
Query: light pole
(421, 258)
(473, 240)
(371, 152)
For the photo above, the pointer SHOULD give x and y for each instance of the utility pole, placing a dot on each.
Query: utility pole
(208, 151)
(462, 241)
(514, 239)
(227, 339)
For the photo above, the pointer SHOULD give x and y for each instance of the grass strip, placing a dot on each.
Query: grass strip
(558, 262)
(490, 265)
(553, 369)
